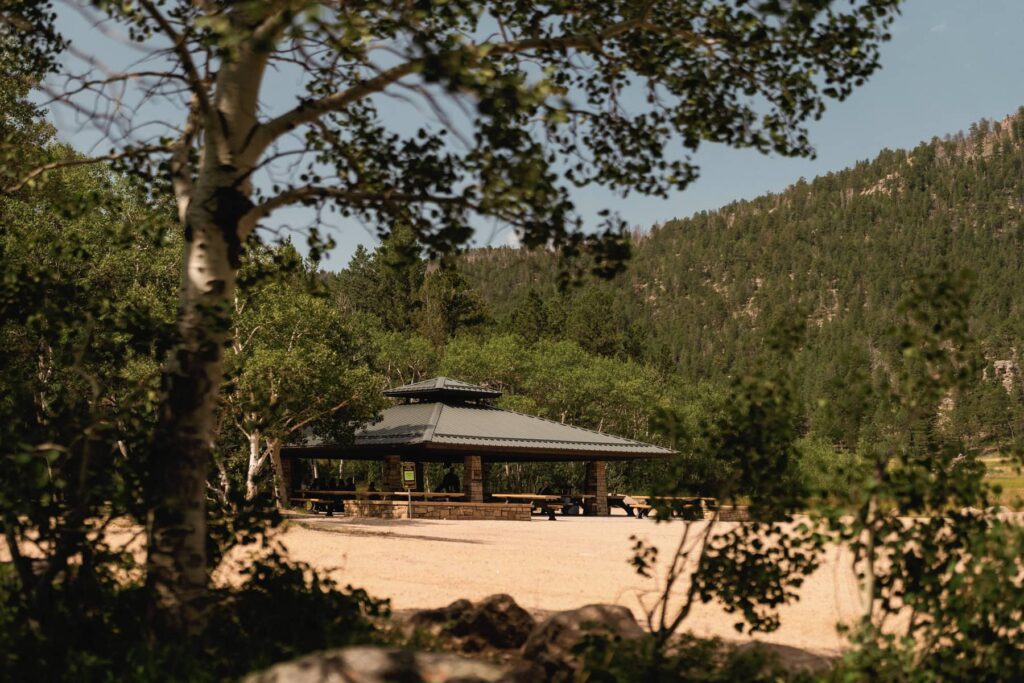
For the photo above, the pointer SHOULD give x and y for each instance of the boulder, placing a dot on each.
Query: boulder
(496, 621)
(551, 642)
(388, 665)
(438, 621)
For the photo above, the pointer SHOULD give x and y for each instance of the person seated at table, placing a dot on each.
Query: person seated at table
(570, 505)
(545, 489)
(349, 484)
(450, 482)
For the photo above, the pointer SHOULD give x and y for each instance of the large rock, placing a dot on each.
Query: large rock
(551, 642)
(439, 621)
(497, 621)
(388, 665)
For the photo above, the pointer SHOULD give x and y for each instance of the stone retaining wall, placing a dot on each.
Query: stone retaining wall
(731, 513)
(395, 509)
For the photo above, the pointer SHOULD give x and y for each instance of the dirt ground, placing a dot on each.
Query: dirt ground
(545, 566)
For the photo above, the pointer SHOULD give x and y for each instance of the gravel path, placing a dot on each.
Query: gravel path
(545, 566)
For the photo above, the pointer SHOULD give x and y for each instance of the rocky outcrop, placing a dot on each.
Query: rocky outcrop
(551, 642)
(496, 622)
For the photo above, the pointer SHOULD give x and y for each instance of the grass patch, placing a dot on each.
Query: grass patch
(1006, 473)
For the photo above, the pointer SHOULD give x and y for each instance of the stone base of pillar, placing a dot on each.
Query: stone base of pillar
(391, 473)
(597, 486)
(473, 479)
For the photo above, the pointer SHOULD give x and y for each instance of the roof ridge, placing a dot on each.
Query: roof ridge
(435, 416)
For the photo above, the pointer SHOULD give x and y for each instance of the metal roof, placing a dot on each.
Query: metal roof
(440, 388)
(447, 430)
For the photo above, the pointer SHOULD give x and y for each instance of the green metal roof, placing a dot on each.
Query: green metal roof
(441, 388)
(447, 429)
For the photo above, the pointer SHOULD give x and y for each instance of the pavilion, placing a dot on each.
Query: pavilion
(445, 420)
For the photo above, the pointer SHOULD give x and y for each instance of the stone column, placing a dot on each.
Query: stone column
(391, 473)
(473, 479)
(596, 485)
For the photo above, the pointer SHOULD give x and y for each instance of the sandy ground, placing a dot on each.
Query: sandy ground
(545, 566)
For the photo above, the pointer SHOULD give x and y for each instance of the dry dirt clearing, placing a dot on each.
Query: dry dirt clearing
(545, 566)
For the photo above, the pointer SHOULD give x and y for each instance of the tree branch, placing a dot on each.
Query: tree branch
(308, 192)
(195, 81)
(309, 419)
(311, 110)
(83, 161)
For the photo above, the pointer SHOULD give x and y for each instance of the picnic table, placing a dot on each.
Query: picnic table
(687, 508)
(329, 501)
(545, 503)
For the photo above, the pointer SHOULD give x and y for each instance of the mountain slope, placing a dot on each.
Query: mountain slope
(839, 251)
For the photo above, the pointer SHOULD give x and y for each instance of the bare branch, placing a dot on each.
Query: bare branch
(178, 41)
(352, 196)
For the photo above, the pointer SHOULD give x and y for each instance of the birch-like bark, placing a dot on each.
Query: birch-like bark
(213, 204)
(255, 465)
(176, 561)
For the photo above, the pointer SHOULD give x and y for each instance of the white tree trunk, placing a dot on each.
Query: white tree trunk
(176, 561)
(255, 465)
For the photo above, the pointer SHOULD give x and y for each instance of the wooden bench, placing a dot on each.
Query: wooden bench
(693, 508)
(329, 504)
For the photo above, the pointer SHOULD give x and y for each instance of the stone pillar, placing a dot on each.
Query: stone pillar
(473, 479)
(596, 485)
(419, 476)
(391, 473)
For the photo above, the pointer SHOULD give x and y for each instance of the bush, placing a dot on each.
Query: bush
(688, 659)
(281, 611)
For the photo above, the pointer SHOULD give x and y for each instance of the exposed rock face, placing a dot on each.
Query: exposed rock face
(497, 620)
(440, 620)
(387, 665)
(551, 642)
(494, 622)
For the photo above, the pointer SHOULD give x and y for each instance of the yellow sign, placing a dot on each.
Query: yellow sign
(408, 475)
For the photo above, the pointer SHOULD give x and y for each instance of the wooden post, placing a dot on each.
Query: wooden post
(419, 477)
(473, 479)
(597, 486)
(391, 474)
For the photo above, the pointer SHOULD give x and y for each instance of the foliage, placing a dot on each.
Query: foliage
(929, 548)
(540, 112)
(84, 321)
(293, 369)
(690, 659)
(86, 316)
(838, 252)
(750, 569)
(97, 631)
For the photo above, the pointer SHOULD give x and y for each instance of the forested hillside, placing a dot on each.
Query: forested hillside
(839, 252)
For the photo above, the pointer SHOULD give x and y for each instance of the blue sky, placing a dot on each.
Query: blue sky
(950, 63)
